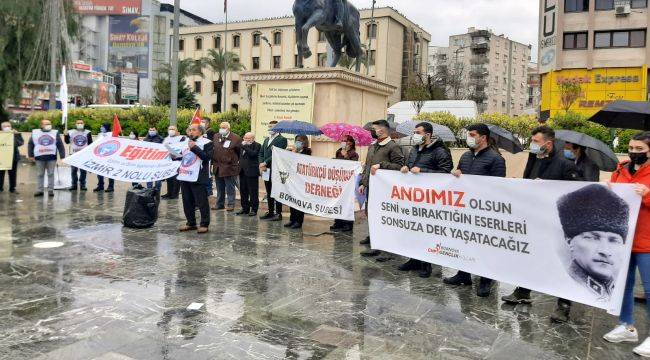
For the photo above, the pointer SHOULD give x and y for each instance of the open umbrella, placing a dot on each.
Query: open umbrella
(337, 132)
(624, 115)
(505, 140)
(297, 128)
(441, 131)
(597, 151)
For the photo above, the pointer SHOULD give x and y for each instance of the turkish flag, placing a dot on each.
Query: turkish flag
(117, 128)
(196, 119)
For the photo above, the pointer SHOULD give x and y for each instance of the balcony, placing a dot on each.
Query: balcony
(478, 82)
(478, 72)
(479, 60)
(480, 48)
(480, 33)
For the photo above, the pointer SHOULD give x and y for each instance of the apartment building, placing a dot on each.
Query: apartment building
(487, 68)
(599, 44)
(398, 52)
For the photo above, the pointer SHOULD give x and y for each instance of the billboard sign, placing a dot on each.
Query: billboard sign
(129, 86)
(108, 7)
(128, 44)
(547, 35)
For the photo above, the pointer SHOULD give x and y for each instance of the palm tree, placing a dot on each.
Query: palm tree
(220, 62)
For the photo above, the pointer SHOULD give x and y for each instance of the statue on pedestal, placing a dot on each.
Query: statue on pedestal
(337, 19)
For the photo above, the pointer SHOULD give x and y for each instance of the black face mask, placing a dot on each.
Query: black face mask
(373, 133)
(639, 158)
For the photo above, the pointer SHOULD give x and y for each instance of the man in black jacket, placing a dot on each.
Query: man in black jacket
(429, 155)
(483, 160)
(265, 158)
(546, 162)
(18, 142)
(249, 175)
(194, 176)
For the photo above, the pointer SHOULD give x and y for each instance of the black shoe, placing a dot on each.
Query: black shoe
(382, 259)
(346, 228)
(72, 188)
(109, 190)
(83, 188)
(38, 194)
(1, 189)
(484, 287)
(241, 212)
(561, 314)
(166, 196)
(252, 213)
(266, 216)
(289, 224)
(276, 217)
(518, 296)
(365, 241)
(336, 226)
(412, 264)
(98, 189)
(296, 226)
(425, 271)
(13, 191)
(461, 278)
(371, 253)
(50, 193)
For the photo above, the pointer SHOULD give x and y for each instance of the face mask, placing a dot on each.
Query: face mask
(6, 129)
(298, 145)
(47, 127)
(152, 133)
(171, 132)
(418, 139)
(344, 145)
(536, 149)
(80, 126)
(373, 133)
(271, 133)
(639, 158)
(223, 132)
(102, 130)
(131, 136)
(471, 142)
(569, 154)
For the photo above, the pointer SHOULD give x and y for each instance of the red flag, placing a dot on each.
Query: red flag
(196, 119)
(117, 128)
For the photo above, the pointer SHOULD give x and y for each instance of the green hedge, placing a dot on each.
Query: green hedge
(137, 120)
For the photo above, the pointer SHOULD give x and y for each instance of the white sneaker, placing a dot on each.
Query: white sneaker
(643, 349)
(622, 334)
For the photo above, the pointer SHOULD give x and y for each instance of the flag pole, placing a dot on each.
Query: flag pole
(225, 51)
(173, 106)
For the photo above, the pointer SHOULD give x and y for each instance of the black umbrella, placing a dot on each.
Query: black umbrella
(601, 154)
(624, 115)
(505, 140)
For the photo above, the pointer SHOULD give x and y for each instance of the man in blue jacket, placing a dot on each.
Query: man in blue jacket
(43, 147)
(483, 160)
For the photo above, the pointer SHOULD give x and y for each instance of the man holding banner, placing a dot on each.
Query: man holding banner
(13, 156)
(266, 159)
(79, 139)
(480, 160)
(547, 163)
(43, 147)
(194, 176)
(383, 154)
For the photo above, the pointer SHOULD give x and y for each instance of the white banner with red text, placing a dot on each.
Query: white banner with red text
(315, 185)
(567, 239)
(126, 160)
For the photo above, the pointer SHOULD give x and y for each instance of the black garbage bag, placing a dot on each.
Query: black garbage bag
(141, 208)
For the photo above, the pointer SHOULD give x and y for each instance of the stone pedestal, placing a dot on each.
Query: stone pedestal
(340, 96)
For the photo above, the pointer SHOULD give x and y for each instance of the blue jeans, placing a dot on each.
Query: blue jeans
(642, 261)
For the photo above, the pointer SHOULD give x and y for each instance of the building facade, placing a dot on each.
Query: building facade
(487, 68)
(534, 90)
(398, 52)
(599, 45)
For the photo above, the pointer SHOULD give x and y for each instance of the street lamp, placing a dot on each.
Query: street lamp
(266, 40)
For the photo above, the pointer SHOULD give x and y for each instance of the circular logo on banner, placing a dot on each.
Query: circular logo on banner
(107, 149)
(80, 140)
(46, 140)
(189, 159)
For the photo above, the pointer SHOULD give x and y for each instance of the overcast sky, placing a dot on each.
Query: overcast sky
(517, 19)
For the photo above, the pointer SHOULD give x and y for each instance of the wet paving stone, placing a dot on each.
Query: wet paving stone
(114, 293)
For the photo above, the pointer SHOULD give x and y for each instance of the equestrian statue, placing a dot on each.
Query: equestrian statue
(337, 19)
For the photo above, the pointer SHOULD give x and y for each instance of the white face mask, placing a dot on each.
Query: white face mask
(47, 127)
(80, 126)
(271, 133)
(471, 142)
(171, 132)
(131, 136)
(6, 128)
(223, 132)
(418, 139)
